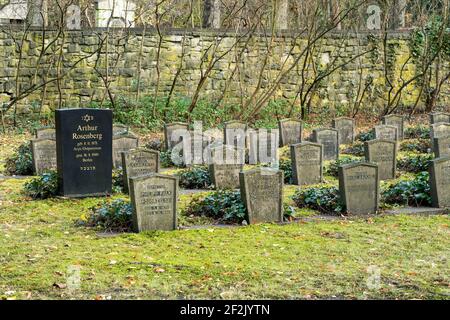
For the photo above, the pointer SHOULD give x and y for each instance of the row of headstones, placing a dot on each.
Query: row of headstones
(43, 147)
(154, 196)
(84, 152)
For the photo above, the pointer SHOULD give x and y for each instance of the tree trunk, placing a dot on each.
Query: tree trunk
(211, 14)
(281, 17)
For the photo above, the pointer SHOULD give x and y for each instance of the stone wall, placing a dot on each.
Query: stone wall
(132, 70)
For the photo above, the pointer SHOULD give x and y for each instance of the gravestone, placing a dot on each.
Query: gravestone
(290, 131)
(234, 134)
(346, 128)
(307, 163)
(173, 133)
(154, 200)
(384, 154)
(198, 154)
(385, 132)
(329, 138)
(439, 130)
(396, 121)
(263, 145)
(226, 164)
(262, 194)
(438, 117)
(139, 162)
(44, 155)
(441, 147)
(440, 182)
(119, 129)
(84, 151)
(359, 187)
(122, 143)
(46, 133)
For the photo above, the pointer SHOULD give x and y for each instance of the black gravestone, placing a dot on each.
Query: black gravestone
(84, 152)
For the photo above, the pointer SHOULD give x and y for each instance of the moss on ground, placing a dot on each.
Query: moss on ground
(39, 243)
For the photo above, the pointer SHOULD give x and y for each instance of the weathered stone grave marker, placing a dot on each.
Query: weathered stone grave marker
(154, 200)
(173, 133)
(235, 134)
(46, 133)
(329, 138)
(307, 163)
(263, 145)
(123, 143)
(119, 129)
(44, 155)
(262, 194)
(384, 154)
(438, 117)
(440, 182)
(290, 131)
(396, 121)
(139, 162)
(439, 130)
(385, 132)
(226, 164)
(84, 151)
(441, 147)
(359, 187)
(346, 128)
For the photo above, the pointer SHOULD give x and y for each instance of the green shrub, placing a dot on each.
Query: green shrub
(414, 192)
(224, 206)
(43, 187)
(415, 145)
(418, 132)
(117, 181)
(332, 168)
(325, 199)
(166, 159)
(414, 163)
(365, 136)
(356, 149)
(286, 167)
(110, 215)
(195, 178)
(21, 162)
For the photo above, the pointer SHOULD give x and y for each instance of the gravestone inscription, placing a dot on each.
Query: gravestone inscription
(154, 200)
(84, 151)
(329, 138)
(122, 143)
(307, 163)
(346, 128)
(138, 162)
(440, 182)
(290, 131)
(262, 194)
(359, 187)
(384, 154)
(44, 155)
(396, 121)
(385, 132)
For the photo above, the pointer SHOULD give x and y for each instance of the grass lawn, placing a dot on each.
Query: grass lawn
(40, 243)
(380, 257)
